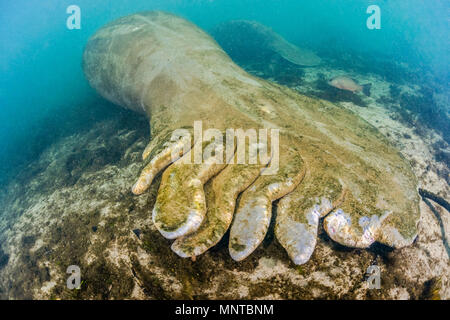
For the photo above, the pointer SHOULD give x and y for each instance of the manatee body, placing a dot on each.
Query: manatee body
(250, 40)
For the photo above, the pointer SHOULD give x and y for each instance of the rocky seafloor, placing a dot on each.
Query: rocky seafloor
(73, 206)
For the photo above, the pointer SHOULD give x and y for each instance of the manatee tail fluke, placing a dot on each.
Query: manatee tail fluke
(366, 89)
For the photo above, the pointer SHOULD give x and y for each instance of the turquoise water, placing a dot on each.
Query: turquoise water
(44, 94)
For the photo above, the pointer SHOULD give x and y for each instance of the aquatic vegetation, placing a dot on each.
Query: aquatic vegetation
(421, 112)
(4, 258)
(422, 106)
(332, 164)
(432, 288)
(388, 67)
(51, 128)
(250, 40)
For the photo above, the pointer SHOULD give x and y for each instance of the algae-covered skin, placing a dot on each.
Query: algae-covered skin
(332, 163)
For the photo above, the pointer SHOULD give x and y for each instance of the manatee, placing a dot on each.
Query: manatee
(318, 159)
(248, 40)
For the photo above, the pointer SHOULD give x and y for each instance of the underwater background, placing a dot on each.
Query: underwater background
(69, 158)
(44, 94)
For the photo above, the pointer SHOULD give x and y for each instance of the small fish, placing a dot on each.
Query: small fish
(349, 84)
